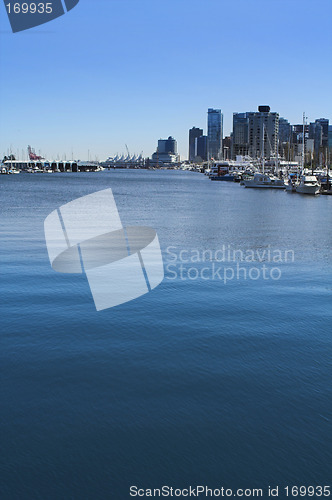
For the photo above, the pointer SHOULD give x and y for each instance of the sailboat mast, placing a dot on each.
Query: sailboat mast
(263, 163)
(277, 164)
(327, 170)
(303, 149)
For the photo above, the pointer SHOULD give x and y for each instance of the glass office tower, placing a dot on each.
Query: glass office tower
(194, 133)
(215, 132)
(240, 138)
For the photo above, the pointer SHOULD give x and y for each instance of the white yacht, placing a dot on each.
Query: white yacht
(260, 180)
(308, 185)
(263, 179)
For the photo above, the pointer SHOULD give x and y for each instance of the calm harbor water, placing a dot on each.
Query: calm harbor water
(205, 380)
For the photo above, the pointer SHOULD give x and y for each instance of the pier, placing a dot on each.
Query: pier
(38, 166)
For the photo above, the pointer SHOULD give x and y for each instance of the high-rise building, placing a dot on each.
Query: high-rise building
(227, 146)
(263, 133)
(330, 136)
(167, 145)
(240, 136)
(298, 132)
(318, 137)
(215, 133)
(285, 131)
(312, 130)
(297, 139)
(319, 132)
(166, 153)
(201, 148)
(194, 133)
(324, 123)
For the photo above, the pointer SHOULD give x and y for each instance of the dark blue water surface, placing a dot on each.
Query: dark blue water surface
(199, 381)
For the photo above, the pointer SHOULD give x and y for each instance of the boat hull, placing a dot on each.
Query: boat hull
(312, 190)
(264, 181)
(291, 188)
(252, 184)
(225, 178)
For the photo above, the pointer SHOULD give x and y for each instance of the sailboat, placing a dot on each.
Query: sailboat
(308, 184)
(263, 180)
(326, 186)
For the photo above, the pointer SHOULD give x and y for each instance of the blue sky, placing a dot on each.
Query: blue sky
(116, 72)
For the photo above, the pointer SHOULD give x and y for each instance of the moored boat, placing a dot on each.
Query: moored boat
(308, 185)
(260, 180)
(221, 172)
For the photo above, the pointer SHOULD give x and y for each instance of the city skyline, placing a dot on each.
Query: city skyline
(69, 93)
(238, 144)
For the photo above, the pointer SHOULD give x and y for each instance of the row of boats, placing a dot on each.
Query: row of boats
(293, 179)
(303, 181)
(46, 167)
(8, 171)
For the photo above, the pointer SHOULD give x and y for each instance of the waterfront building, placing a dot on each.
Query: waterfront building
(318, 137)
(122, 161)
(194, 133)
(330, 137)
(321, 135)
(285, 131)
(201, 148)
(166, 154)
(297, 133)
(311, 130)
(285, 138)
(215, 133)
(167, 146)
(263, 132)
(227, 145)
(44, 165)
(240, 135)
(319, 132)
(324, 123)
